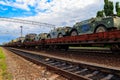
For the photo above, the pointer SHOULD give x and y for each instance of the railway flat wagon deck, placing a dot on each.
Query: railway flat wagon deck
(111, 38)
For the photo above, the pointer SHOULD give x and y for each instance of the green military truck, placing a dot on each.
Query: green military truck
(59, 32)
(95, 25)
(41, 36)
(30, 37)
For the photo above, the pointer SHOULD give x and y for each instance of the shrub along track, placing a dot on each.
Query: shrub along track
(72, 69)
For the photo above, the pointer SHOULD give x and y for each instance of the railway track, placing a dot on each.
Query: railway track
(99, 50)
(71, 70)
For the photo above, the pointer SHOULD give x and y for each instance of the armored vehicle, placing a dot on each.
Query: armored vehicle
(20, 39)
(13, 41)
(30, 37)
(95, 25)
(41, 36)
(59, 32)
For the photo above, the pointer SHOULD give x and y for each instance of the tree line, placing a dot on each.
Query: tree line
(109, 9)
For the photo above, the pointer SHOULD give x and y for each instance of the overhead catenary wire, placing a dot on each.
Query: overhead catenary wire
(26, 22)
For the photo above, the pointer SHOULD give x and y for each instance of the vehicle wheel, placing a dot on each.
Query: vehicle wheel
(74, 33)
(100, 29)
(60, 35)
(48, 37)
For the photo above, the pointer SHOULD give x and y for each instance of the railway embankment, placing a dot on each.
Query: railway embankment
(22, 69)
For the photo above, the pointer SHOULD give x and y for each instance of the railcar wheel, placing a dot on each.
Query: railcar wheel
(115, 47)
(74, 33)
(100, 29)
(60, 35)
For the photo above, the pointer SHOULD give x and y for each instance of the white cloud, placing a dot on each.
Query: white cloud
(41, 4)
(66, 11)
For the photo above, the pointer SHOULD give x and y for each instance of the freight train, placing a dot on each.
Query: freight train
(94, 31)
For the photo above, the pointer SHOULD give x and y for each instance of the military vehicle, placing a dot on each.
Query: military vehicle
(59, 32)
(41, 36)
(30, 37)
(95, 25)
(21, 39)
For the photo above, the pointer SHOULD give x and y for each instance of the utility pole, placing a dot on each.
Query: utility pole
(21, 30)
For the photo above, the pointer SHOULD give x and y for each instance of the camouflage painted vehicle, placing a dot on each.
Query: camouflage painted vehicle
(30, 37)
(59, 32)
(95, 25)
(13, 41)
(20, 39)
(41, 36)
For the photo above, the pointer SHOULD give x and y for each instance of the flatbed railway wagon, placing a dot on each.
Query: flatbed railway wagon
(111, 38)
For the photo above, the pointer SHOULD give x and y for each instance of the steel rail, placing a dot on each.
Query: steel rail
(72, 71)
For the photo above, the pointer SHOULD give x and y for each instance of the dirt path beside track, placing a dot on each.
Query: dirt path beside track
(22, 69)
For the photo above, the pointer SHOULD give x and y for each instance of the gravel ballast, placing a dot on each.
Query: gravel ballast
(22, 69)
(97, 59)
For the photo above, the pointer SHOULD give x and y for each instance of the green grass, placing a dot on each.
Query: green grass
(4, 75)
(2, 61)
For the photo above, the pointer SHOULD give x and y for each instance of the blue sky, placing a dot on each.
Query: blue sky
(57, 12)
(10, 11)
